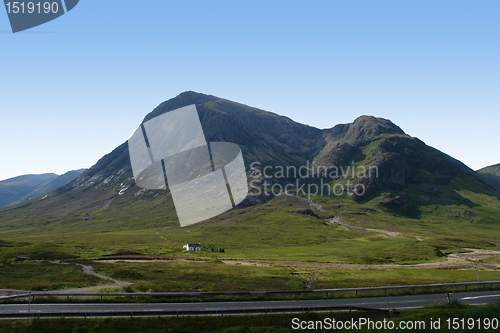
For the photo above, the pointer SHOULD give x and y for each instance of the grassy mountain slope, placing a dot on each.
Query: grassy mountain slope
(406, 173)
(430, 202)
(109, 185)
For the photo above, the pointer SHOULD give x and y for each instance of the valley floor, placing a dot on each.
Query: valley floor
(460, 260)
(147, 273)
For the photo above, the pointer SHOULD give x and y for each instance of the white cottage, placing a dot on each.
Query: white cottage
(192, 247)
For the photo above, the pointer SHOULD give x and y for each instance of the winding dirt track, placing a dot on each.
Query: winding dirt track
(338, 220)
(90, 270)
(87, 270)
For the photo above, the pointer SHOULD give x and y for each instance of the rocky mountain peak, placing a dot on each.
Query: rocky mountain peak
(366, 128)
(183, 99)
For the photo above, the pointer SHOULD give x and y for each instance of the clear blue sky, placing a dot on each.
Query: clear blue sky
(73, 89)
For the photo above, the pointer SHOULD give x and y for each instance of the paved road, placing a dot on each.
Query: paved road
(392, 302)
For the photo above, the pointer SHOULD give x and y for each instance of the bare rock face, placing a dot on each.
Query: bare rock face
(365, 128)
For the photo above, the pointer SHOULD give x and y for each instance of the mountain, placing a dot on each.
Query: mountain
(491, 175)
(52, 184)
(409, 187)
(408, 172)
(26, 187)
(13, 189)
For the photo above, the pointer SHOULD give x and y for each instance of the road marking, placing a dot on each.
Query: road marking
(484, 296)
(26, 311)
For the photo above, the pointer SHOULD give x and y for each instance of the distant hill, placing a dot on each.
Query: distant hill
(26, 187)
(15, 188)
(491, 175)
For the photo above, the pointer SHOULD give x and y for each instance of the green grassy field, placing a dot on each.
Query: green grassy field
(212, 276)
(45, 275)
(275, 232)
(492, 260)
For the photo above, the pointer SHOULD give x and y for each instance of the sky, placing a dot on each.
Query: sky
(75, 88)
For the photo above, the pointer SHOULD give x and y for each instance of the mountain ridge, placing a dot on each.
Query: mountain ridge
(491, 175)
(411, 175)
(26, 187)
(14, 188)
